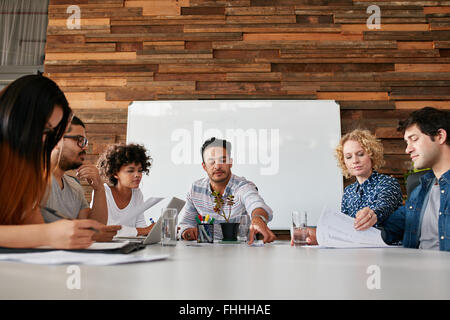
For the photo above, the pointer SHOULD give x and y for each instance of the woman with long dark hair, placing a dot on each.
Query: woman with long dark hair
(34, 114)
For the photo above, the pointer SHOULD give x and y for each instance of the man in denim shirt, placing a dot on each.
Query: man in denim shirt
(424, 221)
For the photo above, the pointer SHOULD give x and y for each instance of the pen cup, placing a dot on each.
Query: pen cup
(205, 233)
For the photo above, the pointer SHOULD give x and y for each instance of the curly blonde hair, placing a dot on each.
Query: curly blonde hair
(368, 142)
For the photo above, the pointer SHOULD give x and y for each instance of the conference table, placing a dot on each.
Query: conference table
(240, 272)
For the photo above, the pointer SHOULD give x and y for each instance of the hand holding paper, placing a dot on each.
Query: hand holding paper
(337, 230)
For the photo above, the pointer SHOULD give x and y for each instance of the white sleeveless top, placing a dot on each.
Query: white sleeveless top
(118, 216)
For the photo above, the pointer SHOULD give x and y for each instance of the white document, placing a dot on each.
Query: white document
(147, 204)
(66, 257)
(100, 245)
(107, 245)
(336, 230)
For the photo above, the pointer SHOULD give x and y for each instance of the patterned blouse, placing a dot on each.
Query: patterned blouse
(380, 192)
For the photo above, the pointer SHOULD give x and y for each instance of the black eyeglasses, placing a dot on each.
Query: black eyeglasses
(81, 140)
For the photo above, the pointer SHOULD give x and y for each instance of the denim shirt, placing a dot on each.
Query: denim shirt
(406, 222)
(379, 192)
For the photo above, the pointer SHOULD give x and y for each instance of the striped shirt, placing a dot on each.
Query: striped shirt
(380, 192)
(201, 201)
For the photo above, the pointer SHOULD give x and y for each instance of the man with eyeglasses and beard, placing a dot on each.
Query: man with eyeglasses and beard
(66, 196)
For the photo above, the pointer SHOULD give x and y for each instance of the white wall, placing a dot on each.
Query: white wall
(284, 146)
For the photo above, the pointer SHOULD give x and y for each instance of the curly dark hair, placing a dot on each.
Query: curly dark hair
(119, 155)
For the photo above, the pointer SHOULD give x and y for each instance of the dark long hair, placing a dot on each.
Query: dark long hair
(25, 107)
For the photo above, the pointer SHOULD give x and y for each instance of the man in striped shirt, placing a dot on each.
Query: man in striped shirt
(200, 200)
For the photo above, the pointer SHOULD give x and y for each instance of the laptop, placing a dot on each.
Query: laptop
(154, 236)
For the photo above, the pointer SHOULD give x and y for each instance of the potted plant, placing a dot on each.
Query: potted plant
(229, 229)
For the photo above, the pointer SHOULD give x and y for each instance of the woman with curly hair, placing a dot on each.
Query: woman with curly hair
(122, 166)
(374, 196)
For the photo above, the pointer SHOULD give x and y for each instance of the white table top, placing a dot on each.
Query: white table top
(275, 271)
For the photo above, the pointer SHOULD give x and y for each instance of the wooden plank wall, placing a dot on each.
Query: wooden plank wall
(131, 50)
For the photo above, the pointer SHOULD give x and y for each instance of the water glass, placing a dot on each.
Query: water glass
(299, 228)
(244, 226)
(169, 227)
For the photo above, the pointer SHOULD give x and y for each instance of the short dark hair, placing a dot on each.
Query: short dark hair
(214, 142)
(429, 120)
(77, 122)
(119, 155)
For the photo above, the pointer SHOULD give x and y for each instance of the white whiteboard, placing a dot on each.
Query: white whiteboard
(286, 147)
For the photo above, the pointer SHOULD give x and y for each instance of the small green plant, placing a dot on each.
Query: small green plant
(220, 202)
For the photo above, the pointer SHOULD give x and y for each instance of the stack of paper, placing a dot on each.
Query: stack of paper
(336, 230)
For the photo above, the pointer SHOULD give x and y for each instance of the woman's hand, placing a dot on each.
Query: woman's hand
(144, 231)
(365, 218)
(71, 234)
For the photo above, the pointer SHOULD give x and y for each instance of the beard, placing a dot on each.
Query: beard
(67, 165)
(220, 180)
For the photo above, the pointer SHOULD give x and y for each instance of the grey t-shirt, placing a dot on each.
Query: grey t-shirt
(429, 233)
(68, 201)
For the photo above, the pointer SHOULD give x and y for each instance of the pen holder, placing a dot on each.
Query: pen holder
(205, 233)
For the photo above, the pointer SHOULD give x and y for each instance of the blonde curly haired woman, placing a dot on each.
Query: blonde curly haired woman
(374, 196)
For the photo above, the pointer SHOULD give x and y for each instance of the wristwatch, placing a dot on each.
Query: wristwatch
(262, 218)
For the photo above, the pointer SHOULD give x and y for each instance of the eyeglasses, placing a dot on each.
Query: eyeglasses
(81, 140)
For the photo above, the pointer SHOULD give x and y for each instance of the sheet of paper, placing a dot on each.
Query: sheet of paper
(107, 245)
(256, 243)
(66, 257)
(100, 245)
(147, 204)
(336, 230)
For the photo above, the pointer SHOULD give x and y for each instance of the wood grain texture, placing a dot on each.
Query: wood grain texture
(129, 50)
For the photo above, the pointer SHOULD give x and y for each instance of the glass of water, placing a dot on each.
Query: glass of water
(299, 228)
(244, 226)
(169, 227)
